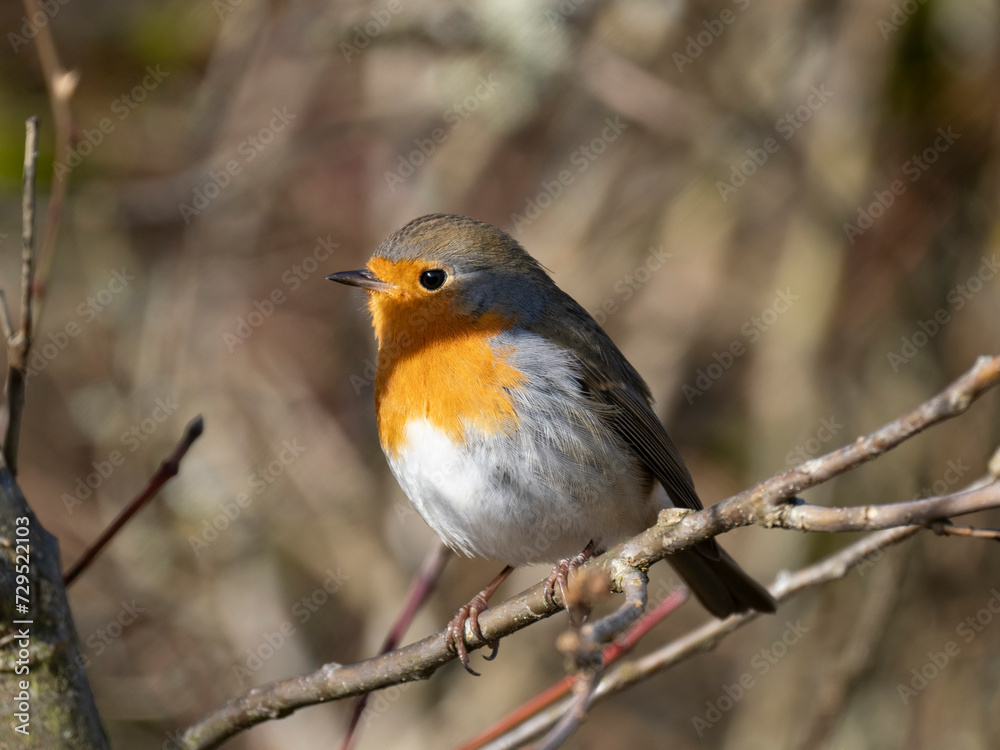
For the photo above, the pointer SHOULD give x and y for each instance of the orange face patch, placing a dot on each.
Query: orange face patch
(434, 361)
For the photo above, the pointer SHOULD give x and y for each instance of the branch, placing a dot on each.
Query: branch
(762, 504)
(768, 503)
(60, 84)
(877, 517)
(947, 528)
(706, 637)
(19, 344)
(167, 471)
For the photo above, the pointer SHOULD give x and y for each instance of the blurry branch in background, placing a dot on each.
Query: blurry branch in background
(167, 471)
(39, 647)
(61, 84)
(45, 697)
(771, 503)
(857, 655)
(19, 344)
(420, 590)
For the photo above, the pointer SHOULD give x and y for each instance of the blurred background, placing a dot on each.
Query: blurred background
(785, 214)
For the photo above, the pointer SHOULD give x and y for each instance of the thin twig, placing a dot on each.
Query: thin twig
(771, 501)
(60, 84)
(889, 516)
(19, 345)
(168, 469)
(947, 528)
(5, 320)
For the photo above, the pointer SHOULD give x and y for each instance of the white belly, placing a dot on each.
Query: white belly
(518, 498)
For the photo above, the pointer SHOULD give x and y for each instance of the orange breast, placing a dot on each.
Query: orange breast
(438, 365)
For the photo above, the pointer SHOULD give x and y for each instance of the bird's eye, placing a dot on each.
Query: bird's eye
(433, 279)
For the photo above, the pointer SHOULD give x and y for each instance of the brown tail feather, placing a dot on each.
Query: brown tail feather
(721, 585)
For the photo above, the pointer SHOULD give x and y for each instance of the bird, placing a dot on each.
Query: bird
(514, 424)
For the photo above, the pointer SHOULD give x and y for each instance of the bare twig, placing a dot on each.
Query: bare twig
(764, 504)
(878, 517)
(769, 504)
(168, 469)
(8, 325)
(947, 528)
(19, 344)
(60, 84)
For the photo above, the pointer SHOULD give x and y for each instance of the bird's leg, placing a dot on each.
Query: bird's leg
(470, 612)
(559, 578)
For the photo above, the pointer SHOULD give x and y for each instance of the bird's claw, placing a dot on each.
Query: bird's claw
(559, 580)
(456, 631)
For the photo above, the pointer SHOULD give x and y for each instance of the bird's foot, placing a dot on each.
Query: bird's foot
(456, 630)
(455, 635)
(558, 580)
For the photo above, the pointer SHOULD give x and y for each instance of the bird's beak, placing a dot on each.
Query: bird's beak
(363, 278)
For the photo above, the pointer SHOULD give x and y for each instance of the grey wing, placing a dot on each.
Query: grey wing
(630, 416)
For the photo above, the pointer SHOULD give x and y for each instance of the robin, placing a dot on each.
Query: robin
(511, 420)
